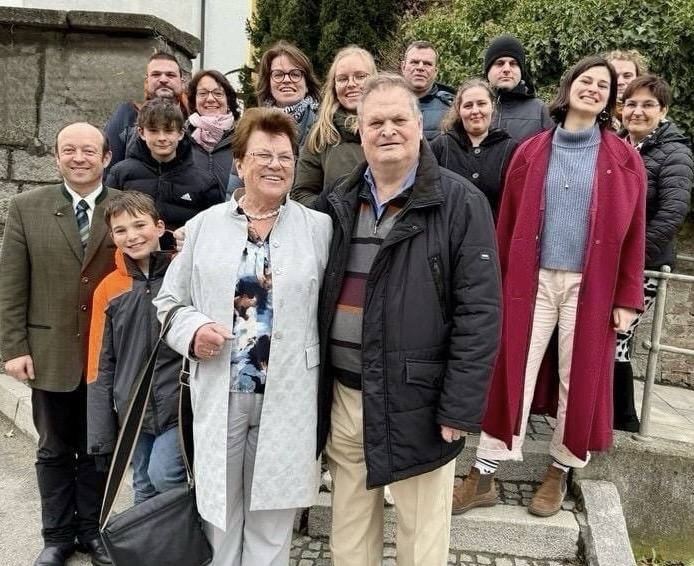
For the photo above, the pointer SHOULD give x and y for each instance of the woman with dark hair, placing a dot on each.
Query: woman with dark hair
(286, 80)
(468, 147)
(667, 155)
(571, 246)
(213, 109)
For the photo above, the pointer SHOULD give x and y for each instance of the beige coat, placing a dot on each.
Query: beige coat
(203, 277)
(47, 281)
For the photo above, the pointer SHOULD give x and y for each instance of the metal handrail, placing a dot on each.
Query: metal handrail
(654, 346)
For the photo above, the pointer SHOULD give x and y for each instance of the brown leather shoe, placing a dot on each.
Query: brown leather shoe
(550, 495)
(476, 490)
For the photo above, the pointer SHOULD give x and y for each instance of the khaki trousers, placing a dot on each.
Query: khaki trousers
(555, 304)
(423, 503)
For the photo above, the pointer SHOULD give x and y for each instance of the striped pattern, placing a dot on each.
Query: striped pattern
(345, 335)
(83, 221)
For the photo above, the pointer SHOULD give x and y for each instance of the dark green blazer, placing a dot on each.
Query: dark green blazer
(47, 282)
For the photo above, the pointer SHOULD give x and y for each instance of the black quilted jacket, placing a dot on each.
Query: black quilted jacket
(667, 155)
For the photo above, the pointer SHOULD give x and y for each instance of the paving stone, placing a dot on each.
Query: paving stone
(310, 554)
(315, 545)
(389, 551)
(483, 559)
(522, 562)
(305, 563)
(503, 561)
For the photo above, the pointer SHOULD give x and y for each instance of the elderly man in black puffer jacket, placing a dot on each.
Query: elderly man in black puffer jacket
(409, 329)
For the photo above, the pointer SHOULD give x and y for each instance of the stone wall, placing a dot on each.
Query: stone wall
(678, 326)
(60, 66)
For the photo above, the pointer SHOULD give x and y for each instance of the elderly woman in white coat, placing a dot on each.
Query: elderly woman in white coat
(248, 277)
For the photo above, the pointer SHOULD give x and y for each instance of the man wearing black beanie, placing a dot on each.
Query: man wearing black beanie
(518, 110)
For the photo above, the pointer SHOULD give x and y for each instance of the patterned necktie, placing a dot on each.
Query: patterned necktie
(83, 221)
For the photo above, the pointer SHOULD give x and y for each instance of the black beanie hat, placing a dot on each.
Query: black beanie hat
(504, 46)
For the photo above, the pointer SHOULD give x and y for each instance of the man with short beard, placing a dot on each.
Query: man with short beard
(419, 71)
(163, 79)
(518, 110)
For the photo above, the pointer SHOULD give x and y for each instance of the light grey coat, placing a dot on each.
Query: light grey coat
(203, 277)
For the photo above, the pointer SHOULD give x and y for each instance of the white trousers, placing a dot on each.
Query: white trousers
(555, 304)
(252, 538)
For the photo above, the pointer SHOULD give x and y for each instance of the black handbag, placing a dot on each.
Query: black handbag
(165, 529)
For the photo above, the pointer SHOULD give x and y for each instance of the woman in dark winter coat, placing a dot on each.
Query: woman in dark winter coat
(160, 163)
(333, 147)
(667, 155)
(571, 242)
(468, 147)
(213, 111)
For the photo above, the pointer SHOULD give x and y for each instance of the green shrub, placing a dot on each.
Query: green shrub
(557, 34)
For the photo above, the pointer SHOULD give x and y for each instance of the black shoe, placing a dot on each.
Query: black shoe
(55, 554)
(95, 548)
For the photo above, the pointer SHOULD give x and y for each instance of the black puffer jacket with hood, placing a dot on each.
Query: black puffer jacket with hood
(667, 155)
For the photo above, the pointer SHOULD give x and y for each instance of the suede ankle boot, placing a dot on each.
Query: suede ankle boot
(625, 417)
(476, 490)
(550, 495)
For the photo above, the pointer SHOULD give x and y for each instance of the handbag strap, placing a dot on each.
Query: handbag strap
(125, 446)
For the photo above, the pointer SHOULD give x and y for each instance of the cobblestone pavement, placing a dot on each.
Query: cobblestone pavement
(20, 516)
(307, 551)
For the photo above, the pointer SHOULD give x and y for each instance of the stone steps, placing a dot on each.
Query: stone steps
(503, 529)
(536, 458)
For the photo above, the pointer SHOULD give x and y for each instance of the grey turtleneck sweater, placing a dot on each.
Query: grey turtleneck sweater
(568, 190)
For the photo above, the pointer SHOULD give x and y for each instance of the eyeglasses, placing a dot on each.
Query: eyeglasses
(217, 93)
(295, 75)
(358, 78)
(266, 159)
(646, 106)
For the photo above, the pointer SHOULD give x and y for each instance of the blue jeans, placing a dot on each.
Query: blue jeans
(157, 464)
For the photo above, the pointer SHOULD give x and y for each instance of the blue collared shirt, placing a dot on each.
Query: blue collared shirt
(379, 207)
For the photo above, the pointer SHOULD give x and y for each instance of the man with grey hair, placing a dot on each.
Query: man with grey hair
(410, 318)
(419, 69)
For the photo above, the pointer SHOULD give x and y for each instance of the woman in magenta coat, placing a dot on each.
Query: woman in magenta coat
(571, 247)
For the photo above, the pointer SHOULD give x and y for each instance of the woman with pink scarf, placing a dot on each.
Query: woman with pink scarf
(213, 110)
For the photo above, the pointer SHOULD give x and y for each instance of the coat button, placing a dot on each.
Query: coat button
(414, 227)
(278, 271)
(277, 335)
(475, 175)
(83, 308)
(477, 151)
(276, 244)
(85, 280)
(609, 171)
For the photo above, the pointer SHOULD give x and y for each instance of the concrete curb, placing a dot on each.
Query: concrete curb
(503, 529)
(605, 535)
(15, 404)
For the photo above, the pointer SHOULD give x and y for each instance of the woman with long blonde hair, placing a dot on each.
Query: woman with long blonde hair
(333, 147)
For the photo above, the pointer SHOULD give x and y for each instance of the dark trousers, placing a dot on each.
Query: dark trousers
(71, 489)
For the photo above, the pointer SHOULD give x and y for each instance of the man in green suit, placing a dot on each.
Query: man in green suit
(55, 251)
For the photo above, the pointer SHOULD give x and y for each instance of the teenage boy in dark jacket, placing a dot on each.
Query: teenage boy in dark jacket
(124, 331)
(160, 164)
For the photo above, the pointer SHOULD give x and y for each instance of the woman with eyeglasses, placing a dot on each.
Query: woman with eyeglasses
(248, 277)
(571, 240)
(667, 155)
(333, 147)
(213, 109)
(286, 80)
